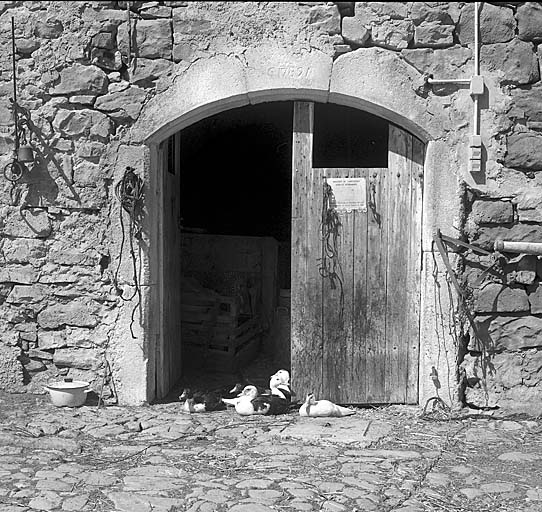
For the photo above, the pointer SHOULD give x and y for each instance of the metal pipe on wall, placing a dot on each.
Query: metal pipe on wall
(519, 247)
(476, 125)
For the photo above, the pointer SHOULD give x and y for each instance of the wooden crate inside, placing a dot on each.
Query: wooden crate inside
(225, 351)
(214, 334)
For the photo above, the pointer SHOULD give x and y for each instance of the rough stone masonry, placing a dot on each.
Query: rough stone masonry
(59, 310)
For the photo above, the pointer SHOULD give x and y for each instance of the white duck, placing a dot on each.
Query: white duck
(323, 408)
(250, 403)
(280, 388)
(283, 375)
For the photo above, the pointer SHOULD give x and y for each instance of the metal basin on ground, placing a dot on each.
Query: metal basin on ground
(68, 393)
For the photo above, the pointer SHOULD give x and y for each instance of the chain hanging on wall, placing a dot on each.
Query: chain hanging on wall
(330, 227)
(13, 171)
(129, 192)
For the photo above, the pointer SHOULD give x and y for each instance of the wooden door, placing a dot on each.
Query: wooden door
(168, 361)
(355, 288)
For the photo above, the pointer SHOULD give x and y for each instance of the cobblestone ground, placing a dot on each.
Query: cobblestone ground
(155, 458)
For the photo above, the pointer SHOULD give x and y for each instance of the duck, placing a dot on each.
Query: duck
(283, 375)
(243, 383)
(201, 402)
(250, 403)
(206, 401)
(279, 388)
(323, 408)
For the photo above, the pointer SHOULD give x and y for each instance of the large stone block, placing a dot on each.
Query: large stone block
(450, 63)
(515, 63)
(485, 237)
(535, 298)
(393, 34)
(83, 123)
(354, 30)
(26, 293)
(74, 313)
(149, 70)
(510, 381)
(492, 212)
(48, 340)
(24, 250)
(19, 274)
(526, 103)
(81, 358)
(155, 11)
(524, 151)
(497, 24)
(123, 106)
(432, 34)
(85, 338)
(27, 46)
(11, 370)
(529, 205)
(496, 298)
(376, 11)
(87, 174)
(529, 16)
(64, 254)
(27, 223)
(105, 19)
(522, 271)
(421, 12)
(326, 18)
(154, 39)
(507, 333)
(48, 29)
(191, 21)
(90, 150)
(80, 79)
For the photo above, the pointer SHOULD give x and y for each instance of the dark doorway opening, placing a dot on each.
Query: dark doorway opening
(235, 211)
(236, 217)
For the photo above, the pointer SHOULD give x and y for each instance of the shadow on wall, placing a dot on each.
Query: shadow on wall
(41, 187)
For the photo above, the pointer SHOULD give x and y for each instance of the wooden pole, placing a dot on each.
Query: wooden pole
(520, 247)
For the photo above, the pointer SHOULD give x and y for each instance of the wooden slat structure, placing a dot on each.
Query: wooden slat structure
(169, 347)
(306, 299)
(357, 341)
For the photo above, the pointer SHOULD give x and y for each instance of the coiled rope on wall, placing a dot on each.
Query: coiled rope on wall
(129, 192)
(330, 228)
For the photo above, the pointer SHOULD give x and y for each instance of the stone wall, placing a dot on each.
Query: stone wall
(60, 312)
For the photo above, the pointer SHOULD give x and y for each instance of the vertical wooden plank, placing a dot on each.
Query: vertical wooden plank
(161, 381)
(175, 246)
(169, 358)
(338, 294)
(306, 292)
(415, 262)
(376, 286)
(399, 220)
(358, 385)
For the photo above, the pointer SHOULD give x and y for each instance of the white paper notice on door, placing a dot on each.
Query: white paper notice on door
(349, 193)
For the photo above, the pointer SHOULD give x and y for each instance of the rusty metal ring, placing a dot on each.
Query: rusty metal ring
(13, 171)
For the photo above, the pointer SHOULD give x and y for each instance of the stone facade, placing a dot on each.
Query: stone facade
(96, 109)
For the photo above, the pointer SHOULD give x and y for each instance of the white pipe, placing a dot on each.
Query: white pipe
(520, 247)
(476, 38)
(449, 81)
(476, 115)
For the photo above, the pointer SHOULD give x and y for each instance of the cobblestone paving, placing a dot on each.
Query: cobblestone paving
(156, 459)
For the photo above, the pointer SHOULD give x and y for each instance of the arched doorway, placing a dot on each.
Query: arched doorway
(216, 175)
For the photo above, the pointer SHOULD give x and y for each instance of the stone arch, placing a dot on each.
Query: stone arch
(371, 79)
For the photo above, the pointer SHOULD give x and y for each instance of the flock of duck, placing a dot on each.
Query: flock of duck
(250, 399)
